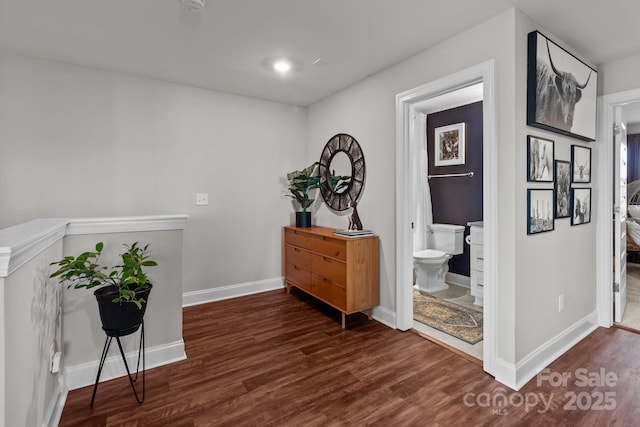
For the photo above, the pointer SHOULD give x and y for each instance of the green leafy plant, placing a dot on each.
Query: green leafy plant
(85, 271)
(301, 182)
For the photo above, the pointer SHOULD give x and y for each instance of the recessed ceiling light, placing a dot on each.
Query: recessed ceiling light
(282, 66)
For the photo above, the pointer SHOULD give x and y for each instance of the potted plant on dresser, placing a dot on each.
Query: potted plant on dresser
(124, 289)
(300, 183)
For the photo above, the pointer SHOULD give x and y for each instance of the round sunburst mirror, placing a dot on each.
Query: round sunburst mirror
(342, 171)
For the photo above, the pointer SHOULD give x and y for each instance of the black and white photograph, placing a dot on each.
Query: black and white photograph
(561, 186)
(449, 145)
(561, 90)
(580, 206)
(540, 159)
(581, 164)
(539, 211)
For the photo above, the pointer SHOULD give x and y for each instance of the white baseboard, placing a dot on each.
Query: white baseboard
(56, 405)
(516, 376)
(84, 374)
(459, 279)
(385, 316)
(231, 291)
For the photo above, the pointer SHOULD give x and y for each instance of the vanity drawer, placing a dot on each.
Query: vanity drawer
(298, 256)
(477, 284)
(297, 238)
(477, 236)
(298, 276)
(324, 245)
(477, 257)
(329, 268)
(328, 291)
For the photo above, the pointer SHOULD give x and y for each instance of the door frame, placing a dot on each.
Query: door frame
(406, 104)
(604, 237)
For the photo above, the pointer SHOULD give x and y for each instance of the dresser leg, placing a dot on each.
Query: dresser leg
(288, 289)
(370, 313)
(343, 321)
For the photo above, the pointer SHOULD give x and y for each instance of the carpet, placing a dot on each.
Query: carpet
(459, 322)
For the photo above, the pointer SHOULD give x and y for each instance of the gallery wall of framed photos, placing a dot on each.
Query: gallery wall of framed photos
(561, 98)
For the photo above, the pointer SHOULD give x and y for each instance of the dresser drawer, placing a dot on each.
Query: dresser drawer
(477, 235)
(298, 276)
(477, 257)
(329, 268)
(328, 291)
(328, 246)
(297, 238)
(477, 284)
(297, 256)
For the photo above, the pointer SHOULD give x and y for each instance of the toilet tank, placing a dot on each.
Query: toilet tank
(447, 238)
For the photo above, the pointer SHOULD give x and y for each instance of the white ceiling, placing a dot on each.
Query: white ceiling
(228, 46)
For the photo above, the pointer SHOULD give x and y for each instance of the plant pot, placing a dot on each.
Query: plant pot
(120, 318)
(303, 219)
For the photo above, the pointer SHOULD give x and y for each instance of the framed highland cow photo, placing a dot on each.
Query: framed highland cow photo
(561, 90)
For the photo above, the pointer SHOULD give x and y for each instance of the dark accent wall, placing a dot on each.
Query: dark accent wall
(458, 200)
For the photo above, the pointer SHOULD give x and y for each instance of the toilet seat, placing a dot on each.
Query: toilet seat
(429, 254)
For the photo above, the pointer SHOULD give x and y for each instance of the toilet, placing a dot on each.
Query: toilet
(432, 264)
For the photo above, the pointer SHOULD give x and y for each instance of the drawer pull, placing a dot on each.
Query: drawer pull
(481, 259)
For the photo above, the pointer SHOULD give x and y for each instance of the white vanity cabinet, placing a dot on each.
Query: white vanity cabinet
(476, 242)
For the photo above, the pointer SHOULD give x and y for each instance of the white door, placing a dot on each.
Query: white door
(620, 216)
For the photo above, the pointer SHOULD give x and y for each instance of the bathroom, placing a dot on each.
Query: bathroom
(453, 194)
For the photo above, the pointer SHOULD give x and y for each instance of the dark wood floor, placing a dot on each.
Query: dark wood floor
(274, 359)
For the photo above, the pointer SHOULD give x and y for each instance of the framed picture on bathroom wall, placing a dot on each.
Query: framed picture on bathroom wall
(581, 164)
(580, 206)
(562, 189)
(450, 145)
(540, 157)
(539, 211)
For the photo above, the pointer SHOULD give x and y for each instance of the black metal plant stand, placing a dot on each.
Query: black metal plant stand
(117, 334)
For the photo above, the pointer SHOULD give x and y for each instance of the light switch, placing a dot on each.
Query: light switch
(202, 199)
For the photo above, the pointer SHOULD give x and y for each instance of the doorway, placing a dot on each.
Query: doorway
(612, 258)
(626, 304)
(408, 124)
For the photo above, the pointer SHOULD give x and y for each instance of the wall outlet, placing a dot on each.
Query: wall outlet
(202, 199)
(560, 303)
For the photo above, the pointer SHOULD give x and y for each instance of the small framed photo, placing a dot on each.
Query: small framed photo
(539, 211)
(450, 145)
(581, 164)
(540, 159)
(562, 188)
(580, 206)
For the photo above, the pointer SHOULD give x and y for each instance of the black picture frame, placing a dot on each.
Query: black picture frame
(561, 90)
(580, 164)
(540, 159)
(580, 206)
(540, 209)
(562, 189)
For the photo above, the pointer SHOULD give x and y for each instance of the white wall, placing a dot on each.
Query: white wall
(30, 309)
(619, 75)
(79, 142)
(561, 262)
(367, 111)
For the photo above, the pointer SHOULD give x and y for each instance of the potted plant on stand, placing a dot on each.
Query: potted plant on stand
(300, 183)
(122, 295)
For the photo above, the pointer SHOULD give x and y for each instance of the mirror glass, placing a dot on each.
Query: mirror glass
(340, 169)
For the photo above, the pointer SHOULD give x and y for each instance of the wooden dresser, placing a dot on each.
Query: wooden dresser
(341, 271)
